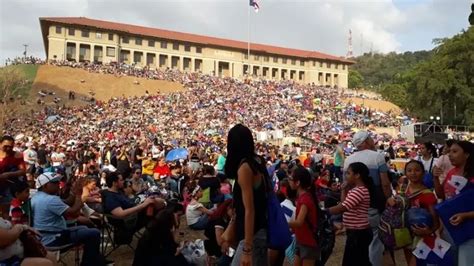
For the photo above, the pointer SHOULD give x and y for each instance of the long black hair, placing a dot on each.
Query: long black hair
(302, 175)
(240, 146)
(467, 148)
(363, 171)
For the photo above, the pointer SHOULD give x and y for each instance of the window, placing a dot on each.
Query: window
(256, 57)
(343, 67)
(98, 35)
(138, 41)
(284, 60)
(266, 59)
(198, 50)
(330, 65)
(187, 48)
(320, 64)
(337, 66)
(163, 45)
(246, 56)
(71, 32)
(275, 59)
(111, 51)
(85, 33)
(175, 46)
(125, 40)
(151, 43)
(111, 36)
(293, 61)
(301, 63)
(58, 29)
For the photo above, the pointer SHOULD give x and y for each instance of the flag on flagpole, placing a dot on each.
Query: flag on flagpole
(255, 5)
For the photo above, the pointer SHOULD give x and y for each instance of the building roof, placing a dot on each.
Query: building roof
(188, 37)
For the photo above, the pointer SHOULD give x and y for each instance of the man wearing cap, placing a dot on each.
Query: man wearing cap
(375, 161)
(48, 218)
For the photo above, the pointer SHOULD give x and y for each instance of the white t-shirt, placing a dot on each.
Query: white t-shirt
(288, 209)
(427, 163)
(192, 212)
(30, 156)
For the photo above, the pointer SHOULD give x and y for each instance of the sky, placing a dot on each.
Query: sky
(321, 25)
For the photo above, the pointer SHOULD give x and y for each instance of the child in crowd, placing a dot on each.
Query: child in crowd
(355, 208)
(196, 214)
(20, 208)
(419, 197)
(304, 226)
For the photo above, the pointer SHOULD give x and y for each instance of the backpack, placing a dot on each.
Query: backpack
(393, 227)
(323, 234)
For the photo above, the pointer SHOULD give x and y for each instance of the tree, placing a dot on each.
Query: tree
(12, 84)
(355, 79)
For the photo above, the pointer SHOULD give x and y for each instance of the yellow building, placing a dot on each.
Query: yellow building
(82, 39)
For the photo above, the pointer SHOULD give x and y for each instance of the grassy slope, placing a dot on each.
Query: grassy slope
(29, 73)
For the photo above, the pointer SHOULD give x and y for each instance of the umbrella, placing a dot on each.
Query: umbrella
(176, 154)
(51, 119)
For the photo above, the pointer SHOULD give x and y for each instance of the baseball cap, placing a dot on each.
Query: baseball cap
(45, 178)
(360, 137)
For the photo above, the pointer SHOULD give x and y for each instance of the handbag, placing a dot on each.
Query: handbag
(32, 245)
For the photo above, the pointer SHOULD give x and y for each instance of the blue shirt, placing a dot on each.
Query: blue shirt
(48, 213)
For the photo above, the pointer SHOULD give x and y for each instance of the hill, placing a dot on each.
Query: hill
(61, 80)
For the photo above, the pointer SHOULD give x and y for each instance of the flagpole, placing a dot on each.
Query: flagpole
(248, 40)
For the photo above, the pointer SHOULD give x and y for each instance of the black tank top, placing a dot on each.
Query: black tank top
(259, 201)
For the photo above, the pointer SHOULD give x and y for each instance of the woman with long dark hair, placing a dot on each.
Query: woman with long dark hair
(248, 169)
(355, 206)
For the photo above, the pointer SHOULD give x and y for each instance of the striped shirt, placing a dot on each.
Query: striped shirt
(357, 203)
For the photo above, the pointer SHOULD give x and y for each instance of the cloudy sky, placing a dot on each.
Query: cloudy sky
(322, 25)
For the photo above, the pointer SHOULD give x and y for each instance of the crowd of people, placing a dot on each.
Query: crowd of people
(114, 158)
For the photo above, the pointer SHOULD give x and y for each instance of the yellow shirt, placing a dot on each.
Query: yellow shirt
(147, 167)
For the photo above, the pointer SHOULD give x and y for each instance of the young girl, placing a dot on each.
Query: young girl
(355, 208)
(306, 251)
(196, 214)
(419, 197)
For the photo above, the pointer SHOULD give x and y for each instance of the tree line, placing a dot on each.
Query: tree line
(439, 82)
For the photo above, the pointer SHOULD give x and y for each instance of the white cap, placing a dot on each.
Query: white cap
(360, 137)
(45, 178)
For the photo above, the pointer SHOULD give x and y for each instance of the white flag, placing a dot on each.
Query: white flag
(441, 247)
(422, 250)
(458, 182)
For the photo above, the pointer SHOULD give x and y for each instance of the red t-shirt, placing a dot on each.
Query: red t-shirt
(304, 234)
(162, 170)
(423, 200)
(307, 162)
(11, 163)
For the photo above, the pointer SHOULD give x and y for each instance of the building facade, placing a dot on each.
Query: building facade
(82, 39)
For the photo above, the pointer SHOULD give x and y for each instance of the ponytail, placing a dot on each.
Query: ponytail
(363, 171)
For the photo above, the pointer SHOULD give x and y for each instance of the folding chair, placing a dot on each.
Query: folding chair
(64, 250)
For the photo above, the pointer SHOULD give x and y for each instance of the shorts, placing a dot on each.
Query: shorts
(306, 252)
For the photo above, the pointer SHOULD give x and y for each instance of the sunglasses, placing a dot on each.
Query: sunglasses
(138, 173)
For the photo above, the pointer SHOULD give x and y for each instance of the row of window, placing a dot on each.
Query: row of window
(187, 48)
(293, 61)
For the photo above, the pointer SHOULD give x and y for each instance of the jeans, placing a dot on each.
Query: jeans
(376, 247)
(201, 224)
(259, 251)
(465, 253)
(88, 237)
(172, 184)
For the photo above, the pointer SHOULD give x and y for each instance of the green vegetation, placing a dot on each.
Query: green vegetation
(427, 83)
(28, 72)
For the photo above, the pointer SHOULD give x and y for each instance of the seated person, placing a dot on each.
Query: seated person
(138, 184)
(91, 193)
(214, 230)
(20, 208)
(209, 180)
(158, 245)
(196, 214)
(115, 202)
(48, 218)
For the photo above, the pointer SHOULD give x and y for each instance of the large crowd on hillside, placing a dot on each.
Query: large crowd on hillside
(157, 157)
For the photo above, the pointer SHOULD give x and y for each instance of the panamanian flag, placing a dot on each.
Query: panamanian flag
(255, 5)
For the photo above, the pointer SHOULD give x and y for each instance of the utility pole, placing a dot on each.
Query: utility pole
(26, 48)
